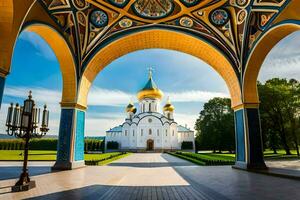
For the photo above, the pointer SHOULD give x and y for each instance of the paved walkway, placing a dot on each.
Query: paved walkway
(150, 176)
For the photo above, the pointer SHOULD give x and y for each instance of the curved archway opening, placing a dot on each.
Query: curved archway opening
(163, 39)
(64, 57)
(36, 68)
(257, 57)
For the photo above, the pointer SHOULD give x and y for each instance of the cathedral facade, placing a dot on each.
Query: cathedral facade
(147, 129)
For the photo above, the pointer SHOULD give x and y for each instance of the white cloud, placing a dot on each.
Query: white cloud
(194, 96)
(99, 96)
(42, 48)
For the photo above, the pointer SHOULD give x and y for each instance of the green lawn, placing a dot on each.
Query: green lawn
(11, 155)
(228, 158)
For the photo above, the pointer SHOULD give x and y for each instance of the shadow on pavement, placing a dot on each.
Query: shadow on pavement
(12, 172)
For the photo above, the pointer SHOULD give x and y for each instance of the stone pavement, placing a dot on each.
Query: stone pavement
(149, 176)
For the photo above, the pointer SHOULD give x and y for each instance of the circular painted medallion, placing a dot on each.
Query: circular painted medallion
(119, 3)
(189, 3)
(186, 21)
(153, 9)
(241, 2)
(219, 17)
(99, 18)
(125, 23)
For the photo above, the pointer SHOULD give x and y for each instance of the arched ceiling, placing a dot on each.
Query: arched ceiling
(233, 26)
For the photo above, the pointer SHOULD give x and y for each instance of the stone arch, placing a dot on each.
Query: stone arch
(164, 39)
(257, 57)
(64, 56)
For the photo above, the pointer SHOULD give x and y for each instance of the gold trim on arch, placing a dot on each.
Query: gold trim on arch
(164, 39)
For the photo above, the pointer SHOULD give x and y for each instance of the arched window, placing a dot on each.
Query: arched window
(169, 115)
(143, 107)
(142, 132)
(166, 132)
(132, 132)
(157, 132)
(150, 131)
(173, 133)
(149, 107)
(125, 132)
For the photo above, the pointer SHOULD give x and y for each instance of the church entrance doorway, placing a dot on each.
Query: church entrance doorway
(150, 145)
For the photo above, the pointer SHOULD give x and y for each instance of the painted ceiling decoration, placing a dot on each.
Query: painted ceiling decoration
(234, 26)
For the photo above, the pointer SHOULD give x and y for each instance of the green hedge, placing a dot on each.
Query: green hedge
(93, 145)
(187, 145)
(202, 159)
(46, 144)
(98, 161)
(112, 145)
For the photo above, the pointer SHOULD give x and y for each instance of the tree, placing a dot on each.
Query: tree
(215, 126)
(279, 107)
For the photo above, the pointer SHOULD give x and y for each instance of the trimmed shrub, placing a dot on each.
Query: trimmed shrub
(93, 145)
(207, 161)
(187, 145)
(112, 145)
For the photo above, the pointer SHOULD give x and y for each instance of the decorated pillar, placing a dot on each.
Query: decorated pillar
(249, 149)
(70, 148)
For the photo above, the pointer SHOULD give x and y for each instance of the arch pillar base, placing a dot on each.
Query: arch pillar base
(70, 149)
(249, 151)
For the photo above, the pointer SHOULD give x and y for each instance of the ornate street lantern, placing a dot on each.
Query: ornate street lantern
(23, 122)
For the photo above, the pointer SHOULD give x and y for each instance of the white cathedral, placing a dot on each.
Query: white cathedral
(147, 129)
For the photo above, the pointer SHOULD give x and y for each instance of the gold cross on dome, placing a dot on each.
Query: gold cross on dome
(150, 69)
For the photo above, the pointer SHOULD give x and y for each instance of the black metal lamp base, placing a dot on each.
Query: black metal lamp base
(24, 187)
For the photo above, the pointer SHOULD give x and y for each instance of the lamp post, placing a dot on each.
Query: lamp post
(23, 122)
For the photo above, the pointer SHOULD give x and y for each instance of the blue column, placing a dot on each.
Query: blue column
(2, 84)
(249, 151)
(70, 149)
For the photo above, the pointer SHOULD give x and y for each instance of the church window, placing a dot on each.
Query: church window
(143, 107)
(142, 132)
(132, 132)
(150, 131)
(173, 133)
(149, 107)
(157, 132)
(166, 132)
(169, 115)
(125, 132)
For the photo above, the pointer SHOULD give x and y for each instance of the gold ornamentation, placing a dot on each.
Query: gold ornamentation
(125, 23)
(241, 16)
(186, 21)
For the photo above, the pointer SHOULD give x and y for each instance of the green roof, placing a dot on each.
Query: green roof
(183, 129)
(150, 85)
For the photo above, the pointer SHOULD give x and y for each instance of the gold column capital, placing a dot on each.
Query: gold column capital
(246, 105)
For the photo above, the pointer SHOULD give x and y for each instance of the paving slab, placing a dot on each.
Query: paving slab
(150, 176)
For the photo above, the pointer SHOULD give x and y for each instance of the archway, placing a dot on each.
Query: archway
(257, 57)
(164, 39)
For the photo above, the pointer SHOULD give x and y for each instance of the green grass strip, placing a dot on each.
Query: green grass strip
(198, 162)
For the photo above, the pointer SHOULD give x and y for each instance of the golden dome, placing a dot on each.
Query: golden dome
(150, 90)
(131, 108)
(168, 106)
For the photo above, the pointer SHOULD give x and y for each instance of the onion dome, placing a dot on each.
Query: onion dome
(168, 107)
(150, 90)
(131, 108)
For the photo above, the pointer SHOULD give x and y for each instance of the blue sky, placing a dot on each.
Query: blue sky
(187, 80)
